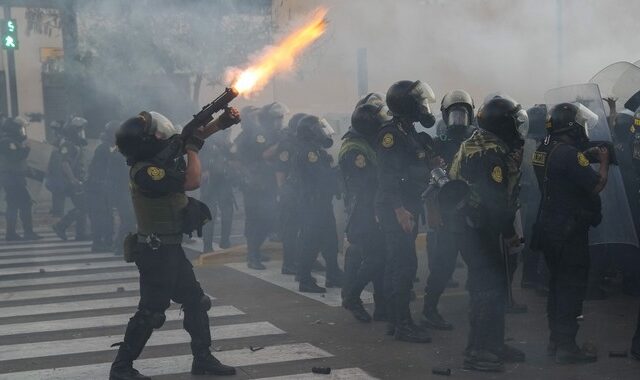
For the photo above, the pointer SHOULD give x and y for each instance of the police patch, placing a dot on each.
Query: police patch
(155, 173)
(360, 162)
(284, 156)
(421, 155)
(539, 158)
(387, 140)
(312, 157)
(496, 174)
(632, 129)
(260, 139)
(582, 160)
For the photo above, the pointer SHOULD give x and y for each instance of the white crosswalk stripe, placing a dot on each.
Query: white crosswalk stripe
(64, 292)
(102, 282)
(336, 374)
(52, 259)
(100, 321)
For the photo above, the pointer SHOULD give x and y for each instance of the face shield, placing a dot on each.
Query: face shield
(373, 98)
(161, 127)
(273, 115)
(522, 122)
(585, 117)
(326, 132)
(458, 116)
(424, 96)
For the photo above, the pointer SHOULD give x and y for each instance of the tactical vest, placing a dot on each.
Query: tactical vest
(161, 215)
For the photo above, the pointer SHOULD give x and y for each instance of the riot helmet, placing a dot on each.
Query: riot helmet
(74, 130)
(538, 120)
(316, 131)
(292, 125)
(272, 115)
(249, 117)
(457, 109)
(411, 100)
(15, 128)
(572, 120)
(370, 114)
(144, 136)
(501, 115)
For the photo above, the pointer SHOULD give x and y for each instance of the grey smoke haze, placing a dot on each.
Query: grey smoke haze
(479, 45)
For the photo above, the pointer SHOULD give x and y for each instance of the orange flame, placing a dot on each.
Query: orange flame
(278, 58)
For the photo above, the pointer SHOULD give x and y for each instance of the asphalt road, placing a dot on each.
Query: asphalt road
(61, 307)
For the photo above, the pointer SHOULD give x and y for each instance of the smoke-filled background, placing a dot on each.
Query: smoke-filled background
(524, 47)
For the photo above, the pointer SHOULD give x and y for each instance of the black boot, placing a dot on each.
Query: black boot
(481, 360)
(510, 354)
(407, 331)
(12, 236)
(206, 364)
(254, 262)
(432, 319)
(309, 285)
(357, 310)
(61, 231)
(138, 331)
(574, 355)
(335, 278)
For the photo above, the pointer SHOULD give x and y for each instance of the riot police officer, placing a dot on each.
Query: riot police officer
(570, 206)
(256, 147)
(14, 151)
(316, 185)
(404, 157)
(288, 210)
(217, 189)
(457, 113)
(364, 258)
(72, 158)
(164, 213)
(97, 187)
(489, 162)
(54, 180)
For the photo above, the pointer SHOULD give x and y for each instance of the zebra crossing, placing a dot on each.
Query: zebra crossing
(62, 306)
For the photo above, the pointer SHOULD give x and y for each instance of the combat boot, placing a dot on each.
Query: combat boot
(122, 368)
(574, 355)
(335, 278)
(253, 262)
(357, 310)
(31, 236)
(481, 360)
(61, 231)
(309, 285)
(12, 236)
(206, 364)
(406, 331)
(510, 354)
(432, 319)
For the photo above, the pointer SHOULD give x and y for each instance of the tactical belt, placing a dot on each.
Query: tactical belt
(155, 241)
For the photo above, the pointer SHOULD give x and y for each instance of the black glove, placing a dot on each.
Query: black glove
(229, 118)
(193, 143)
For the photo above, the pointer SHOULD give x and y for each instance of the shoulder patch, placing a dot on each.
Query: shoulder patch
(632, 129)
(421, 155)
(496, 174)
(387, 140)
(155, 173)
(360, 161)
(539, 158)
(312, 157)
(582, 160)
(260, 139)
(284, 156)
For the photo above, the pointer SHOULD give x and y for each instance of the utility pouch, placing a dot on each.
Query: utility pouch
(131, 248)
(196, 214)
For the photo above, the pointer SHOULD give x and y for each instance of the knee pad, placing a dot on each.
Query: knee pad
(154, 319)
(202, 303)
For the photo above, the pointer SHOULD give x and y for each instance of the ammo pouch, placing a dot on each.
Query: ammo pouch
(131, 247)
(195, 215)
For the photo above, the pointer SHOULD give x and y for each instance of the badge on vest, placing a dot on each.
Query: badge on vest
(421, 155)
(496, 174)
(360, 162)
(387, 140)
(260, 139)
(312, 157)
(155, 173)
(582, 160)
(284, 156)
(539, 158)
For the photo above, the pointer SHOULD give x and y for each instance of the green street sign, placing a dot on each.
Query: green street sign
(9, 34)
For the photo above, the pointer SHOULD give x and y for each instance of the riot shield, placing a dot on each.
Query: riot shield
(38, 160)
(627, 85)
(607, 78)
(617, 226)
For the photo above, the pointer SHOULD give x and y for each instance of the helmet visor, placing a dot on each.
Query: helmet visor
(423, 94)
(458, 117)
(585, 117)
(522, 122)
(327, 129)
(161, 127)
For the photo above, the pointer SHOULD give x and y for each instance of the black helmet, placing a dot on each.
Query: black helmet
(537, 122)
(315, 130)
(410, 100)
(457, 108)
(74, 130)
(249, 117)
(144, 136)
(15, 128)
(272, 115)
(370, 114)
(503, 116)
(571, 117)
(292, 125)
